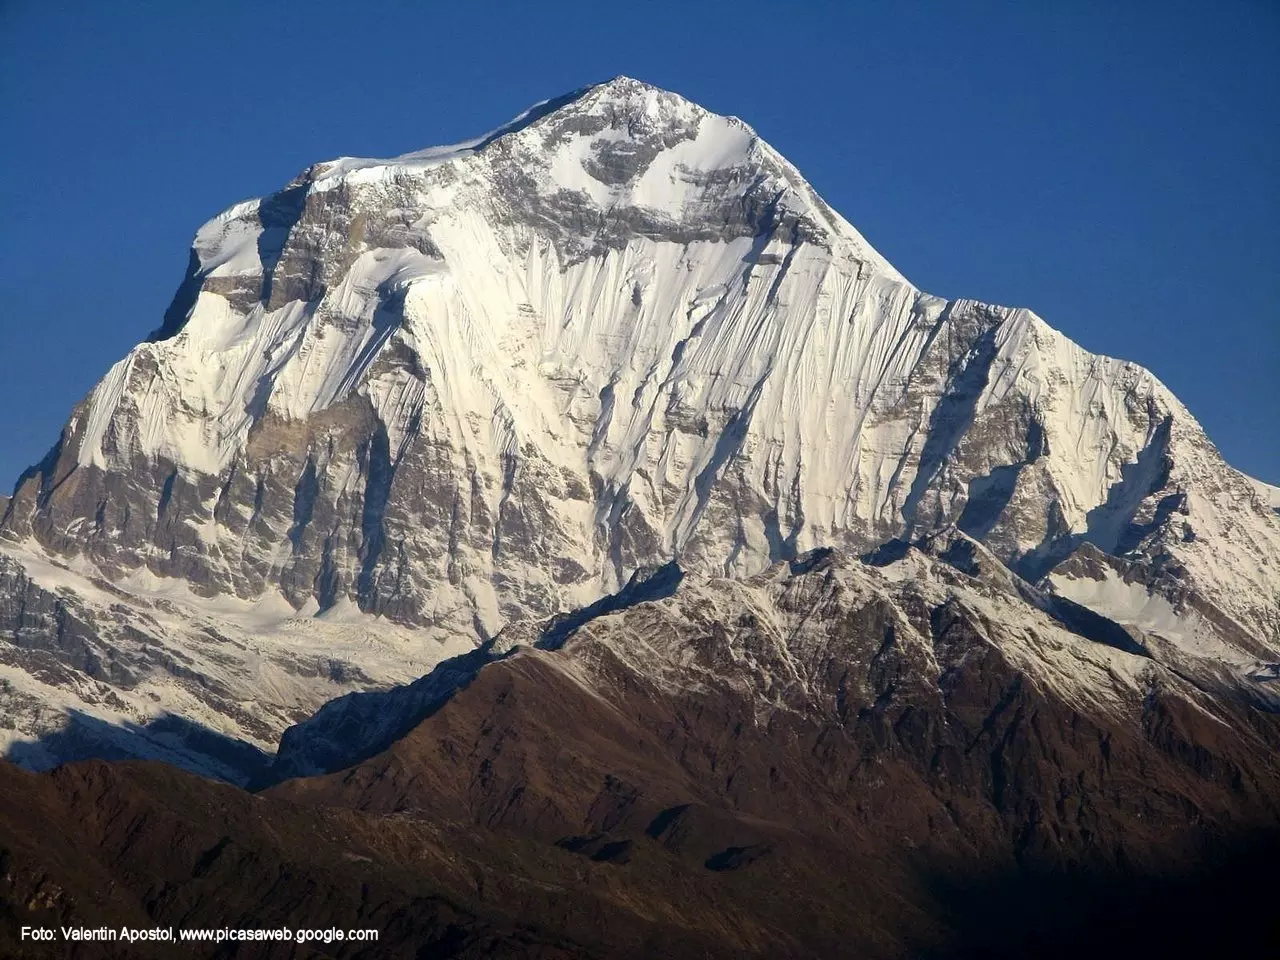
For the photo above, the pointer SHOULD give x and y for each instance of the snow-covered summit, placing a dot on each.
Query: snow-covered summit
(590, 172)
(641, 108)
(482, 383)
(616, 146)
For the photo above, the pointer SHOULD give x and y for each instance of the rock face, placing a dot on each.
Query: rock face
(476, 386)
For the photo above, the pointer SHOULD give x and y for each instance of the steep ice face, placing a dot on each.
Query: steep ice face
(480, 383)
(288, 314)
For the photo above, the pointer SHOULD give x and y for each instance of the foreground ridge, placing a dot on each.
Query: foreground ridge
(879, 758)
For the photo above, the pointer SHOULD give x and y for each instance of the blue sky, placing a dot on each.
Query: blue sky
(1113, 166)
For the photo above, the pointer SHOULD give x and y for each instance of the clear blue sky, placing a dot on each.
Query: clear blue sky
(1113, 166)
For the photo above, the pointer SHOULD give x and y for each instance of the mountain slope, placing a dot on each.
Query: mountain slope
(932, 680)
(478, 385)
(833, 758)
(922, 724)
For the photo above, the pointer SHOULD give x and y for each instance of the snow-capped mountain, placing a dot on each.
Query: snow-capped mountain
(479, 385)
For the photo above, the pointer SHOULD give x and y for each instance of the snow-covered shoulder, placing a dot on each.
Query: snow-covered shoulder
(1270, 494)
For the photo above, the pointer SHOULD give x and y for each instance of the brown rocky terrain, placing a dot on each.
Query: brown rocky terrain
(933, 798)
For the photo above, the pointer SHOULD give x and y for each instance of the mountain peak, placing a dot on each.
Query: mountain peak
(490, 382)
(621, 91)
(624, 82)
(624, 322)
(596, 165)
(639, 96)
(621, 103)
